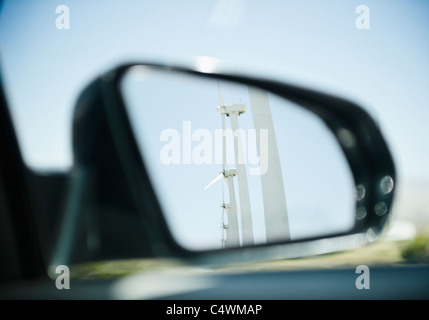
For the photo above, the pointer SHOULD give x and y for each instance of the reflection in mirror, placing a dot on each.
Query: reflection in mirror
(233, 165)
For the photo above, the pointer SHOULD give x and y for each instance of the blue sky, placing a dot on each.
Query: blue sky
(318, 183)
(312, 43)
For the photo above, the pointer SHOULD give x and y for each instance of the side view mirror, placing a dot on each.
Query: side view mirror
(221, 164)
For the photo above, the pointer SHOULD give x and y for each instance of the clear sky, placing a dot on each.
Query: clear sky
(314, 43)
(318, 183)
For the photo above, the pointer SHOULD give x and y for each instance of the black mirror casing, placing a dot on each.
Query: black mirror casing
(102, 132)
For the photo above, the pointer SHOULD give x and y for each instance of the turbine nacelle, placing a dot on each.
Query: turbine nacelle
(236, 108)
(224, 173)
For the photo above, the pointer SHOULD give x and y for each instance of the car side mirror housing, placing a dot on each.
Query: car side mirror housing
(226, 167)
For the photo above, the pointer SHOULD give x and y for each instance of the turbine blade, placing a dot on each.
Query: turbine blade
(214, 181)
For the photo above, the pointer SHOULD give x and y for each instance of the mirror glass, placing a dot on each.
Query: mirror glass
(234, 165)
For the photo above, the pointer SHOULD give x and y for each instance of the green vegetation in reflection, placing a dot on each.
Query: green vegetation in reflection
(119, 268)
(417, 250)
